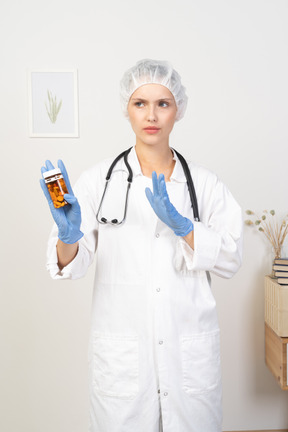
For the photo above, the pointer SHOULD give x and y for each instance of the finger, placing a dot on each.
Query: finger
(45, 190)
(149, 196)
(43, 170)
(155, 184)
(72, 200)
(49, 165)
(167, 203)
(65, 176)
(164, 194)
(162, 186)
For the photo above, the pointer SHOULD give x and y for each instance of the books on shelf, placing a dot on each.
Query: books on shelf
(280, 268)
(281, 261)
(281, 273)
(282, 281)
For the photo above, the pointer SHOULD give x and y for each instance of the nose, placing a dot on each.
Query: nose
(151, 115)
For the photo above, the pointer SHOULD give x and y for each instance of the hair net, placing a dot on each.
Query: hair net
(153, 72)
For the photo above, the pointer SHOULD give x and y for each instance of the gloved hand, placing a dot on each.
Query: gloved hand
(67, 218)
(163, 208)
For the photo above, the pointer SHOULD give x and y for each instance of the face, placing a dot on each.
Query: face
(152, 111)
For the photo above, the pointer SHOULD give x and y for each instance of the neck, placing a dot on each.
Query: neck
(155, 158)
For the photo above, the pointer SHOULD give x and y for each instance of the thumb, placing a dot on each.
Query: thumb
(72, 200)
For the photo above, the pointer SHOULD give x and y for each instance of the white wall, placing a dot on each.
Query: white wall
(232, 56)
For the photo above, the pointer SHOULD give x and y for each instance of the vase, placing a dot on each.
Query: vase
(277, 255)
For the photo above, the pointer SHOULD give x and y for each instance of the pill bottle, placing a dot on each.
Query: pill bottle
(56, 186)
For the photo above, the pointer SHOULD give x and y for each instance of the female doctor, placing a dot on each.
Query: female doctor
(154, 351)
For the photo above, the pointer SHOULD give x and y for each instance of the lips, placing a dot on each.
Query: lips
(151, 129)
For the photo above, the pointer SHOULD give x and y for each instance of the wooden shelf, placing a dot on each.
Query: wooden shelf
(276, 306)
(276, 348)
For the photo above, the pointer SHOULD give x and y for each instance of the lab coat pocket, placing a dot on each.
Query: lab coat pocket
(201, 362)
(115, 365)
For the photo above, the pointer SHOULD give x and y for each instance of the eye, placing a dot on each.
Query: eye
(139, 104)
(163, 104)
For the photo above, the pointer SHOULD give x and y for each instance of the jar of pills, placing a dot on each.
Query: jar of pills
(56, 186)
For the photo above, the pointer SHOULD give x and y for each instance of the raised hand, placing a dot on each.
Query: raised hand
(67, 218)
(164, 209)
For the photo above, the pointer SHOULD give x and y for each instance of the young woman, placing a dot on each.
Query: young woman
(154, 349)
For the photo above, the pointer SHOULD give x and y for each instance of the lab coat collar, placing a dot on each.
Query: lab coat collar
(177, 174)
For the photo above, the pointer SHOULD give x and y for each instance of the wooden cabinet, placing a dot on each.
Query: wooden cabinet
(276, 348)
(276, 306)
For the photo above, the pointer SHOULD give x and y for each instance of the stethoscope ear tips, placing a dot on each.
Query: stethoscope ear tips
(113, 221)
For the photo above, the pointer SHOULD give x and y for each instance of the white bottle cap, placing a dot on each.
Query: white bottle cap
(53, 172)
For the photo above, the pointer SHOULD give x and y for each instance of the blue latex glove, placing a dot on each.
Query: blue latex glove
(67, 218)
(163, 208)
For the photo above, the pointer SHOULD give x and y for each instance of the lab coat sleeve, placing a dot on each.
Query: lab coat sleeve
(218, 237)
(86, 194)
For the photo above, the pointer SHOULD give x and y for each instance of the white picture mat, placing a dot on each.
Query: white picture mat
(63, 85)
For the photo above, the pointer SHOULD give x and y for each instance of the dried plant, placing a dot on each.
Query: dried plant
(54, 108)
(268, 224)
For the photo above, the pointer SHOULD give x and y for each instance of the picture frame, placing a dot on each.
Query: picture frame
(53, 103)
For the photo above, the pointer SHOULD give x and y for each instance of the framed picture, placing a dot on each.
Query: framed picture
(53, 103)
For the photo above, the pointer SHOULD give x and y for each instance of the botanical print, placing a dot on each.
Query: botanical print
(53, 103)
(54, 109)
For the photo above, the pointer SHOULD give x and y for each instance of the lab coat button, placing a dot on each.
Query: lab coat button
(165, 394)
(160, 342)
(159, 391)
(157, 235)
(158, 289)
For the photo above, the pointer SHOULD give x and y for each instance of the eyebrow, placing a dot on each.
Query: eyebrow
(145, 100)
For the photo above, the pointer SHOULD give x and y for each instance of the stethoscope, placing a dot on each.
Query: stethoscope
(124, 155)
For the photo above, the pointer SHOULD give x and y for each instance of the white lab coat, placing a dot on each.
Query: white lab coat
(154, 347)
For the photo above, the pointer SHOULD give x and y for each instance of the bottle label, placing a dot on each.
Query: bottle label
(54, 178)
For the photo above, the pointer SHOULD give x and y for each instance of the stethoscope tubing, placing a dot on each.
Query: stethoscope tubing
(190, 185)
(124, 154)
(115, 222)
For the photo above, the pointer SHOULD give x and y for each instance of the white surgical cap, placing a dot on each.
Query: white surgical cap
(153, 72)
